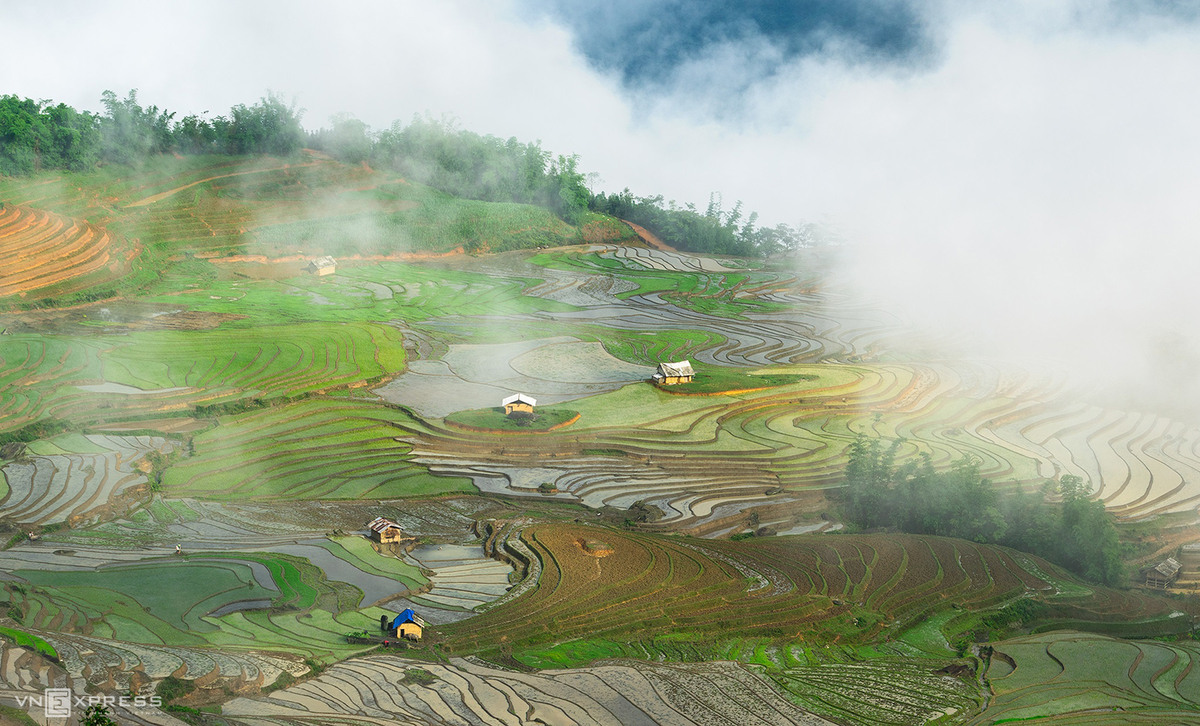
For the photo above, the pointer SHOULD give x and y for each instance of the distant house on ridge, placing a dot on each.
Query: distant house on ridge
(322, 266)
(1164, 574)
(670, 374)
(518, 402)
(1190, 557)
(385, 531)
(408, 625)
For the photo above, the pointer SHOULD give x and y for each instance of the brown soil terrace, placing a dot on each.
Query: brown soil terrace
(649, 237)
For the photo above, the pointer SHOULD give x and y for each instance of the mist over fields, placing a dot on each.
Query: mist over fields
(547, 361)
(1022, 174)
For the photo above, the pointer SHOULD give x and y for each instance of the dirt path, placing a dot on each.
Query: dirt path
(649, 238)
(163, 195)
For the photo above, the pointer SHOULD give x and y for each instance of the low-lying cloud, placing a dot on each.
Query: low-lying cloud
(1024, 171)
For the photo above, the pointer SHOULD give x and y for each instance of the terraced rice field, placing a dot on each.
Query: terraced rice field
(463, 577)
(146, 603)
(693, 456)
(44, 250)
(319, 449)
(76, 478)
(852, 588)
(209, 600)
(1078, 678)
(267, 493)
(380, 689)
(883, 690)
(551, 370)
(172, 372)
(291, 359)
(663, 260)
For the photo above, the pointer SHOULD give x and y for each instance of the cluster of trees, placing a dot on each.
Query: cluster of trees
(439, 154)
(37, 136)
(714, 231)
(1069, 529)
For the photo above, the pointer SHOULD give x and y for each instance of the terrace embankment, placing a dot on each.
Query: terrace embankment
(843, 588)
(56, 254)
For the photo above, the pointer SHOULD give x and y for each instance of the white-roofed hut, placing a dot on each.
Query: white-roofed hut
(518, 402)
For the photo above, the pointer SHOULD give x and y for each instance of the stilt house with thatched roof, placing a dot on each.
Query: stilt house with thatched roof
(670, 374)
(1164, 574)
(385, 531)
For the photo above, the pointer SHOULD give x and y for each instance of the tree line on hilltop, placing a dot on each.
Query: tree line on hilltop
(37, 136)
(40, 136)
(1060, 523)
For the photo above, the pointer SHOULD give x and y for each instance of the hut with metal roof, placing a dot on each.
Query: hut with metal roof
(385, 531)
(1164, 574)
(518, 402)
(408, 625)
(322, 266)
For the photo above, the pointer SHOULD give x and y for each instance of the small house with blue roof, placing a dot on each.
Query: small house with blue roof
(408, 625)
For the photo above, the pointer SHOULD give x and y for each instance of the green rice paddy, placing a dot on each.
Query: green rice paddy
(316, 449)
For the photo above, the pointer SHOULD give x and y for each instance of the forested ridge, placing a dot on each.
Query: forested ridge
(37, 136)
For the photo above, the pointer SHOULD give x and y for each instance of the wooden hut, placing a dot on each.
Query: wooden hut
(1164, 574)
(670, 374)
(518, 402)
(385, 531)
(322, 266)
(408, 625)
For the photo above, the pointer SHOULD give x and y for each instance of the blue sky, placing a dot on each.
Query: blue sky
(645, 43)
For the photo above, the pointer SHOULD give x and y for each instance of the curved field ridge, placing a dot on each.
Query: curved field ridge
(376, 690)
(883, 691)
(171, 192)
(697, 457)
(42, 249)
(660, 259)
(843, 587)
(476, 376)
(1079, 678)
(77, 478)
(463, 577)
(172, 372)
(318, 449)
(111, 664)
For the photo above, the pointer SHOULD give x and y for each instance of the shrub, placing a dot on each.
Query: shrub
(171, 688)
(419, 675)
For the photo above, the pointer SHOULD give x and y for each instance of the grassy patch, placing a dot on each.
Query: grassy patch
(178, 594)
(27, 640)
(495, 419)
(721, 380)
(314, 449)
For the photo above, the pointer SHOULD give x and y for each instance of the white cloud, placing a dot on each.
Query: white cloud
(1037, 183)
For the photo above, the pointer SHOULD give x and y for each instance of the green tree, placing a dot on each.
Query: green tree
(35, 136)
(1075, 532)
(96, 715)
(268, 127)
(130, 133)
